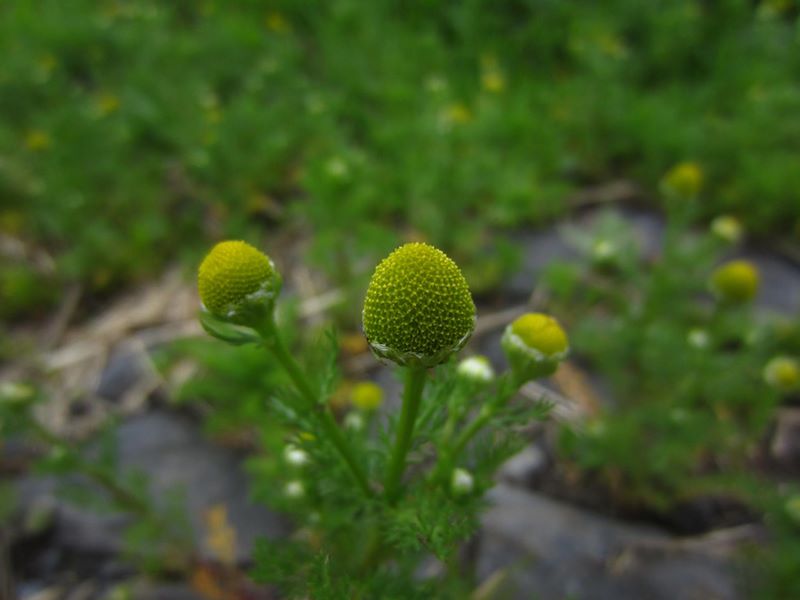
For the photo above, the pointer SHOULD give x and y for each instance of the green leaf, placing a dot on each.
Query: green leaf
(232, 334)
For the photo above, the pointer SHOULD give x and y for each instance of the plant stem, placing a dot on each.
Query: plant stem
(506, 390)
(412, 394)
(120, 494)
(274, 342)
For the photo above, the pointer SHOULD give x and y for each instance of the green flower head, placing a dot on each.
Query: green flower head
(735, 282)
(237, 282)
(535, 344)
(418, 309)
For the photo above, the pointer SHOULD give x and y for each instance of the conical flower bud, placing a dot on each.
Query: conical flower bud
(418, 309)
(534, 344)
(238, 283)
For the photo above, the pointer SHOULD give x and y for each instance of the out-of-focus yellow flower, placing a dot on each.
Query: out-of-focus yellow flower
(221, 537)
(492, 79)
(277, 23)
(735, 281)
(611, 45)
(793, 508)
(456, 114)
(684, 180)
(11, 221)
(37, 140)
(366, 396)
(106, 103)
(782, 373)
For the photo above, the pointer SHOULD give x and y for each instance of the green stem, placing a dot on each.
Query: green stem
(487, 412)
(412, 394)
(274, 342)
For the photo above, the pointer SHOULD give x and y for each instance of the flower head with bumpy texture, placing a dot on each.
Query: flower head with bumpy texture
(237, 282)
(735, 281)
(534, 344)
(418, 309)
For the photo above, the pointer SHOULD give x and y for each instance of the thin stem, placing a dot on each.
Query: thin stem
(412, 394)
(486, 414)
(506, 390)
(121, 495)
(274, 342)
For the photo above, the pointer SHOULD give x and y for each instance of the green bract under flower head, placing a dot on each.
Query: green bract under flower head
(735, 281)
(534, 344)
(237, 282)
(418, 308)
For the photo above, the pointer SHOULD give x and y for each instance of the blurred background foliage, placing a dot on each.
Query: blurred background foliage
(132, 133)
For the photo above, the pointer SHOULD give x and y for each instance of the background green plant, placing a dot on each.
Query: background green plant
(133, 132)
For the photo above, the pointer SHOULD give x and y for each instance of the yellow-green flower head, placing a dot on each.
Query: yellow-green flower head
(727, 228)
(782, 373)
(534, 344)
(237, 282)
(366, 396)
(735, 281)
(418, 308)
(684, 180)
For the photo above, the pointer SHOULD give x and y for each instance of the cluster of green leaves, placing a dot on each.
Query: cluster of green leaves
(134, 131)
(300, 472)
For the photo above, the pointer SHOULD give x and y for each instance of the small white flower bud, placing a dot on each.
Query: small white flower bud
(462, 482)
(294, 489)
(354, 421)
(295, 456)
(698, 338)
(476, 368)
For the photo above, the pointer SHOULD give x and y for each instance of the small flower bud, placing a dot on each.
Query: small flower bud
(792, 507)
(603, 252)
(366, 396)
(238, 283)
(535, 344)
(354, 421)
(295, 456)
(684, 180)
(476, 368)
(782, 373)
(727, 228)
(462, 482)
(698, 338)
(735, 282)
(418, 309)
(294, 489)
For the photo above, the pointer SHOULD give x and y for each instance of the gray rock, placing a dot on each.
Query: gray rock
(779, 291)
(174, 457)
(125, 369)
(555, 551)
(524, 468)
(785, 445)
